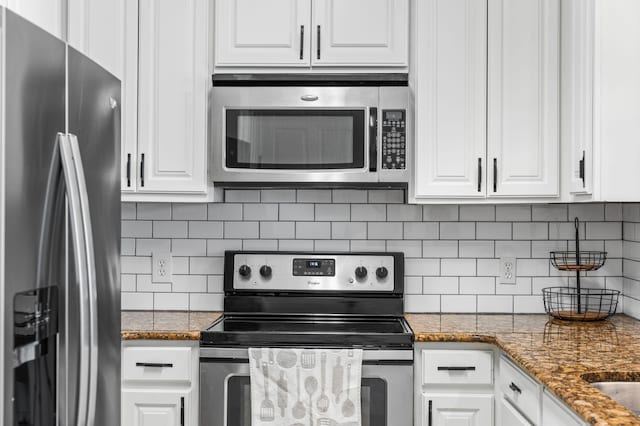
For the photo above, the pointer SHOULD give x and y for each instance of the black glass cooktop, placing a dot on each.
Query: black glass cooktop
(307, 331)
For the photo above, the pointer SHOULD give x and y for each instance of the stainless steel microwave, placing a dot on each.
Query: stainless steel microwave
(315, 135)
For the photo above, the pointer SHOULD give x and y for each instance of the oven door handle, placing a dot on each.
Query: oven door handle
(368, 356)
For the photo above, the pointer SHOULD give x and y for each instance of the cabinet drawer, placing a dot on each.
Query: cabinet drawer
(521, 390)
(156, 363)
(457, 366)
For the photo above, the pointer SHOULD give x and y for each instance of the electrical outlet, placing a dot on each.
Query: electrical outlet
(162, 267)
(507, 271)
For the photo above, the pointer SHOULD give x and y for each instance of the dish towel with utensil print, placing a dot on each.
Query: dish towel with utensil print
(305, 387)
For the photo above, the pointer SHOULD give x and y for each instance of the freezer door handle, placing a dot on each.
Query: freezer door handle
(85, 270)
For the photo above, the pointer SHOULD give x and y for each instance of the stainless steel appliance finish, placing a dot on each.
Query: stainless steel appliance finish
(626, 393)
(59, 223)
(315, 135)
(329, 300)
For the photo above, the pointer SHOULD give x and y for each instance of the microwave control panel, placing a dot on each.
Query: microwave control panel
(394, 139)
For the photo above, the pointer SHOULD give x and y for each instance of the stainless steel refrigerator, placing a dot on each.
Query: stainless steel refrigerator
(59, 232)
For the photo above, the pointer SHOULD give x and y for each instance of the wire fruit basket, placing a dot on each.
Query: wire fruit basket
(577, 303)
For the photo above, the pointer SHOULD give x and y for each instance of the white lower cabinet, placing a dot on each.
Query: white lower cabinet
(510, 416)
(159, 383)
(555, 413)
(457, 410)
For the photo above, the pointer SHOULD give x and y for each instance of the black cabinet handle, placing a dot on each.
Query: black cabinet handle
(301, 41)
(182, 411)
(142, 171)
(581, 167)
(154, 364)
(515, 388)
(479, 174)
(495, 175)
(128, 170)
(456, 368)
(430, 414)
(318, 41)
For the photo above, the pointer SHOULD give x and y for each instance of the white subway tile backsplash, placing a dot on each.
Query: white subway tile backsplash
(170, 229)
(438, 249)
(349, 230)
(241, 230)
(476, 249)
(201, 229)
(531, 231)
(154, 211)
(350, 196)
(515, 213)
(384, 230)
(314, 196)
(440, 285)
(493, 230)
(260, 211)
(495, 304)
(420, 231)
(333, 212)
(189, 212)
(369, 212)
(278, 196)
(451, 252)
(277, 230)
(225, 211)
(457, 230)
(477, 213)
(313, 230)
(440, 213)
(458, 267)
(296, 212)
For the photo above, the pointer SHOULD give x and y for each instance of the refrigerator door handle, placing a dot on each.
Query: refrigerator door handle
(85, 270)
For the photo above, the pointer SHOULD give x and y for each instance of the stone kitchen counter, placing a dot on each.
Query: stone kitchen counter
(165, 325)
(564, 356)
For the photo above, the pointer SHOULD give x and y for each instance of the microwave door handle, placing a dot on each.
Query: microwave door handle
(373, 139)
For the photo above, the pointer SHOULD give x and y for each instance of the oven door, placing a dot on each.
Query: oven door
(225, 396)
(294, 134)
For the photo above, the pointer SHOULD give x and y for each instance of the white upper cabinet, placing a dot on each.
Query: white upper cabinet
(172, 96)
(47, 14)
(262, 33)
(523, 97)
(265, 34)
(450, 88)
(360, 32)
(485, 80)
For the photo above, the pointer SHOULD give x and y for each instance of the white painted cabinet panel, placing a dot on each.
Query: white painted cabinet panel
(523, 99)
(450, 91)
(47, 14)
(457, 410)
(262, 33)
(173, 83)
(153, 408)
(510, 416)
(555, 413)
(360, 32)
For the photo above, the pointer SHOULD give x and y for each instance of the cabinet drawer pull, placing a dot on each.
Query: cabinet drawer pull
(495, 175)
(430, 413)
(581, 169)
(515, 388)
(128, 170)
(318, 41)
(479, 174)
(456, 368)
(301, 41)
(154, 364)
(142, 170)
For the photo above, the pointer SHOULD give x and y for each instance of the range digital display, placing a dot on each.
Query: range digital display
(314, 267)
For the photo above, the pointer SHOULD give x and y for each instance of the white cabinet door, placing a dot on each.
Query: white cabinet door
(173, 83)
(153, 408)
(107, 32)
(360, 32)
(509, 416)
(556, 414)
(450, 98)
(262, 33)
(47, 14)
(457, 410)
(523, 109)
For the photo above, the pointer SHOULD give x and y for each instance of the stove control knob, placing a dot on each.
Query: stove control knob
(382, 273)
(265, 271)
(244, 271)
(361, 272)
